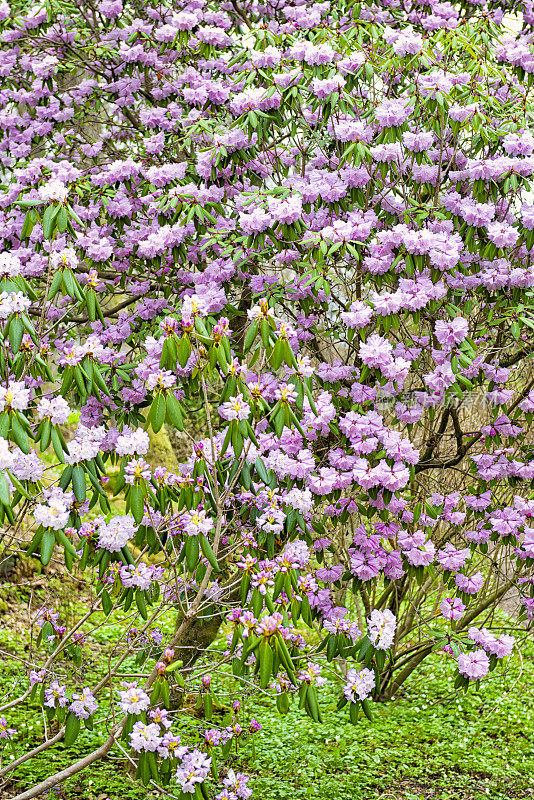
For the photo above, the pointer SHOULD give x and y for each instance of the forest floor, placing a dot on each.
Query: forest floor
(430, 743)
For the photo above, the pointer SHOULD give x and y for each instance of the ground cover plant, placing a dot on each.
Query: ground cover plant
(266, 386)
(475, 745)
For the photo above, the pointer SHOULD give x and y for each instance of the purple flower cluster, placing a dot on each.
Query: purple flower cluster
(318, 283)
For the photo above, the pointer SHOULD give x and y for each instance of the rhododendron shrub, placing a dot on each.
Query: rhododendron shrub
(297, 237)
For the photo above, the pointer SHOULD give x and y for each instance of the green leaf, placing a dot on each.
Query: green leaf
(46, 433)
(78, 483)
(78, 375)
(237, 439)
(366, 705)
(68, 282)
(62, 540)
(151, 760)
(277, 356)
(165, 693)
(208, 705)
(174, 412)
(16, 332)
(72, 729)
(4, 424)
(331, 648)
(221, 358)
(303, 694)
(49, 219)
(184, 350)
(28, 203)
(141, 604)
(250, 335)
(312, 705)
(282, 703)
(99, 380)
(262, 472)
(157, 412)
(66, 477)
(29, 223)
(279, 422)
(48, 543)
(284, 654)
(55, 285)
(208, 552)
(144, 769)
(74, 216)
(19, 434)
(62, 219)
(107, 605)
(35, 542)
(4, 489)
(192, 553)
(127, 556)
(91, 304)
(265, 655)
(56, 444)
(265, 331)
(137, 502)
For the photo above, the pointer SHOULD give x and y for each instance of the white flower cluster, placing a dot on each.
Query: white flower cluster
(131, 442)
(55, 514)
(86, 444)
(54, 190)
(359, 685)
(114, 535)
(9, 265)
(56, 408)
(382, 626)
(15, 396)
(64, 258)
(13, 303)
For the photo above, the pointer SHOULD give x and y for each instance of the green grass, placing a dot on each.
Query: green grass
(480, 745)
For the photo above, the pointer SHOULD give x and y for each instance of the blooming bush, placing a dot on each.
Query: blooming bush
(297, 237)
